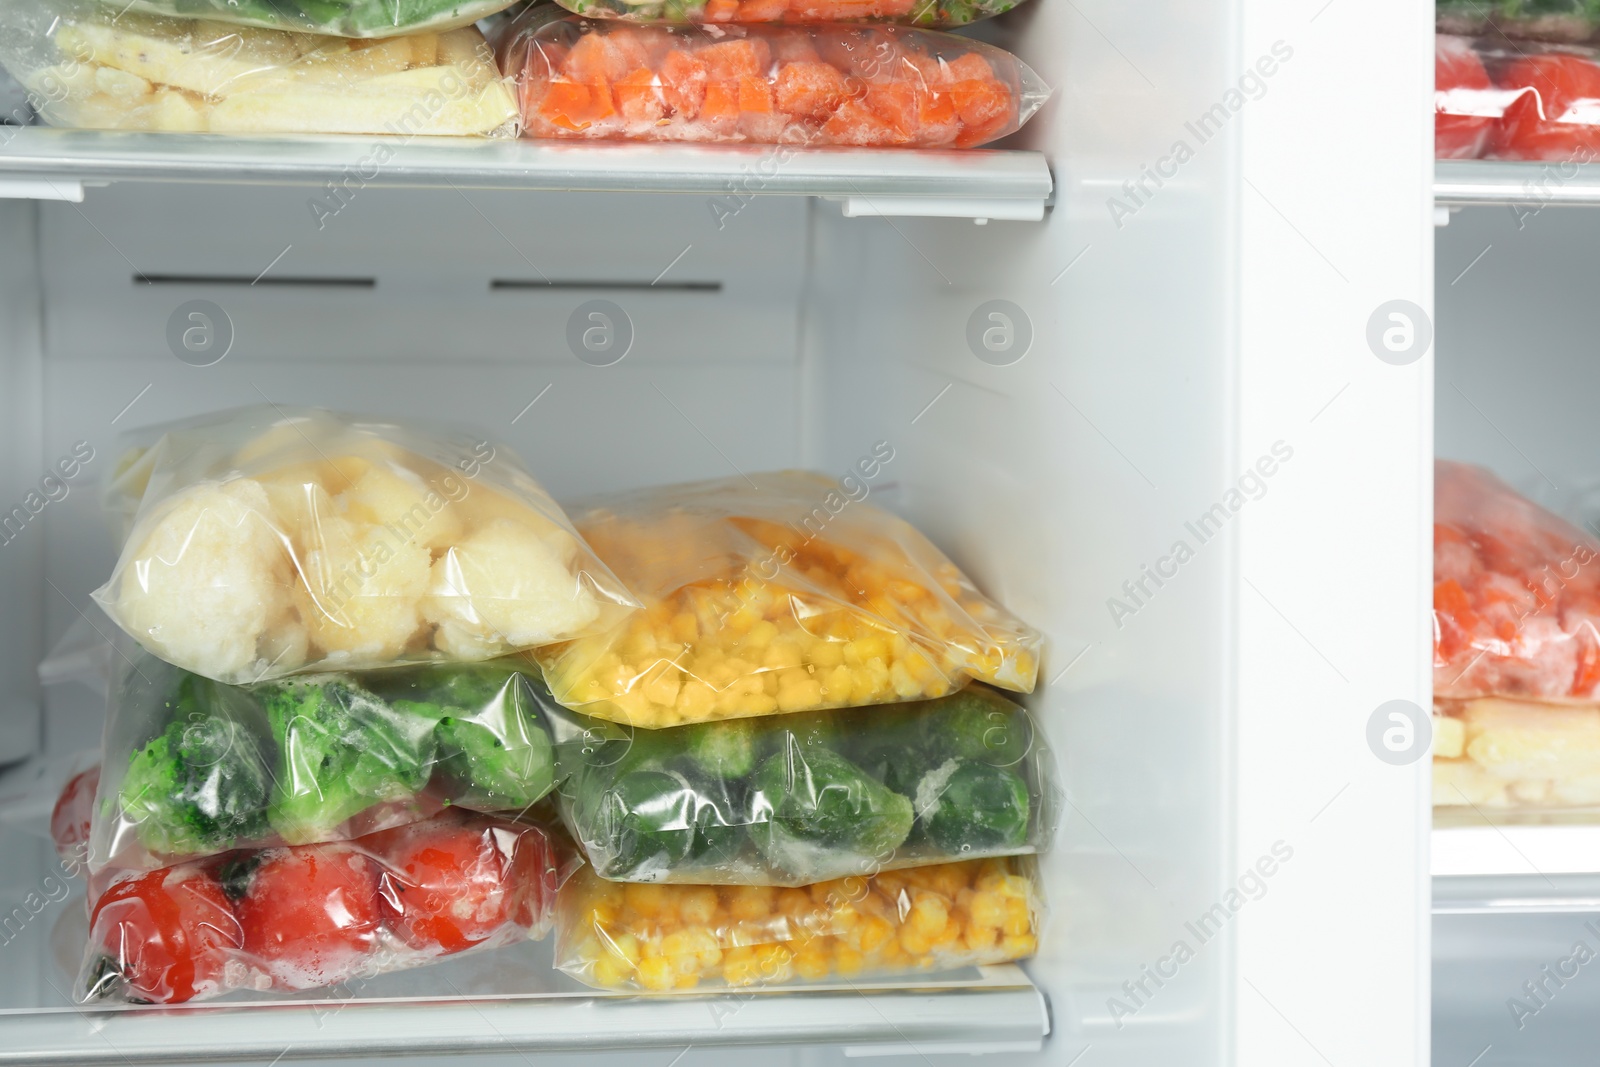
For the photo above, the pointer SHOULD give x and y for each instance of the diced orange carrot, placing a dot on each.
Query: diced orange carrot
(720, 112)
(683, 83)
(637, 97)
(838, 10)
(755, 94)
(853, 124)
(896, 105)
(971, 65)
(721, 10)
(980, 103)
(762, 11)
(593, 56)
(809, 90)
(574, 106)
(937, 123)
(726, 60)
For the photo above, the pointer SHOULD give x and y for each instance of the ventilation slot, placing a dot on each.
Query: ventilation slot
(513, 284)
(279, 281)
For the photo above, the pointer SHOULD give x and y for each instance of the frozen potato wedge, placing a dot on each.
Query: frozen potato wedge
(1462, 783)
(1522, 740)
(1449, 737)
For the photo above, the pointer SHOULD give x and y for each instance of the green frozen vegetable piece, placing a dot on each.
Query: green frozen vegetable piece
(978, 724)
(494, 768)
(814, 809)
(492, 747)
(969, 806)
(202, 784)
(639, 826)
(725, 749)
(341, 750)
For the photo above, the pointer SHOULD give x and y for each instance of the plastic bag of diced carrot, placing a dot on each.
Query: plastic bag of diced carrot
(939, 13)
(830, 84)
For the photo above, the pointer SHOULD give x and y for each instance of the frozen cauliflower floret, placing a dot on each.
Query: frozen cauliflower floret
(363, 591)
(206, 582)
(401, 501)
(507, 586)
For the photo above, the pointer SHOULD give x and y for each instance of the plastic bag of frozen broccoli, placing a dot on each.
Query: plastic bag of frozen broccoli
(669, 938)
(263, 543)
(779, 592)
(794, 799)
(342, 18)
(194, 767)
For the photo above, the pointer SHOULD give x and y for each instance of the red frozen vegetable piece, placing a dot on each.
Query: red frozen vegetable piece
(720, 112)
(809, 90)
(69, 819)
(311, 913)
(683, 83)
(593, 56)
(1460, 87)
(169, 933)
(1531, 127)
(450, 887)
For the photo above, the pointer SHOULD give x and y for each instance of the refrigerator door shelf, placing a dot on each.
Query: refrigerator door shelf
(989, 184)
(1532, 853)
(1519, 185)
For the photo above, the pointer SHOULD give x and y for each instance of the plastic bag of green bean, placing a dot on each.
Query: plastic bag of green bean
(794, 799)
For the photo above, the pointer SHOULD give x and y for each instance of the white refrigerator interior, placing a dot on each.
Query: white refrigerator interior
(1179, 457)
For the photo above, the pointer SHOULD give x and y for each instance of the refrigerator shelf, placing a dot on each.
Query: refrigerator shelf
(1535, 854)
(1527, 186)
(53, 164)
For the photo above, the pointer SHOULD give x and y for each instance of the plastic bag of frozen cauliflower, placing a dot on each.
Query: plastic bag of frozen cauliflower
(260, 542)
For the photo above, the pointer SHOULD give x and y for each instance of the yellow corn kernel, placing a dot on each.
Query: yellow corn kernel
(915, 943)
(825, 654)
(838, 683)
(623, 947)
(684, 627)
(697, 904)
(774, 963)
(781, 654)
(949, 936)
(686, 981)
(870, 934)
(611, 972)
(647, 900)
(812, 962)
(656, 973)
(1016, 948)
(800, 695)
(1018, 921)
(928, 915)
(980, 938)
(847, 962)
(663, 684)
(988, 910)
(695, 700)
(747, 902)
(795, 905)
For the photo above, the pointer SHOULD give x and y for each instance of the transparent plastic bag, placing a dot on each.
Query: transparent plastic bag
(1516, 596)
(660, 938)
(303, 917)
(1503, 99)
(1501, 758)
(785, 592)
(798, 86)
(341, 18)
(194, 767)
(794, 799)
(86, 66)
(933, 14)
(268, 542)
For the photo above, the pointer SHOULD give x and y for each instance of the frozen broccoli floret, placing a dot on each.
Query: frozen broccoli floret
(725, 750)
(809, 807)
(978, 724)
(492, 770)
(200, 786)
(639, 826)
(970, 806)
(341, 750)
(490, 744)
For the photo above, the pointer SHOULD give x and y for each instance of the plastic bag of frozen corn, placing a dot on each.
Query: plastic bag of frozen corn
(659, 938)
(86, 66)
(785, 591)
(267, 542)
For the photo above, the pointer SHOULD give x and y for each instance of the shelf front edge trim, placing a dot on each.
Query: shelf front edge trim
(92, 157)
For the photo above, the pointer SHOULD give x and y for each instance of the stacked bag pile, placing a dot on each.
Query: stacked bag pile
(377, 698)
(1516, 680)
(757, 71)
